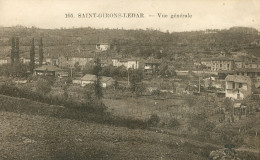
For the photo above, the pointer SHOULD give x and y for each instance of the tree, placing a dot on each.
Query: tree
(153, 120)
(163, 69)
(77, 67)
(88, 69)
(97, 84)
(12, 51)
(135, 78)
(19, 70)
(116, 84)
(32, 56)
(40, 52)
(140, 89)
(17, 58)
(228, 105)
(43, 86)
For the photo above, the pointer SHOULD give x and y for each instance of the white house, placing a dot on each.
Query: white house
(90, 79)
(238, 87)
(102, 46)
(128, 63)
(4, 61)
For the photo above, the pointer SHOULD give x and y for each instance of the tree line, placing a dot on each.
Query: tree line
(17, 68)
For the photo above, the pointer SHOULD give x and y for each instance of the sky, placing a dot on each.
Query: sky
(206, 14)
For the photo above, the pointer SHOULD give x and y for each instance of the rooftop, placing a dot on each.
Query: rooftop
(89, 77)
(238, 78)
(103, 43)
(247, 70)
(217, 59)
(92, 77)
(152, 60)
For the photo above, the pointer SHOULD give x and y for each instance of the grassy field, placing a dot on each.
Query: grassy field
(31, 135)
(143, 108)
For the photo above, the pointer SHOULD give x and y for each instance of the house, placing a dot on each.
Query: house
(214, 82)
(102, 46)
(5, 60)
(128, 63)
(63, 62)
(151, 66)
(238, 87)
(239, 63)
(51, 60)
(252, 65)
(25, 59)
(104, 62)
(222, 63)
(90, 79)
(251, 72)
(181, 73)
(206, 62)
(48, 70)
(79, 58)
(69, 61)
(218, 64)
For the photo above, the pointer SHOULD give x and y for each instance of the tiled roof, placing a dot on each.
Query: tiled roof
(217, 59)
(254, 63)
(247, 70)
(206, 59)
(92, 77)
(238, 78)
(89, 77)
(103, 43)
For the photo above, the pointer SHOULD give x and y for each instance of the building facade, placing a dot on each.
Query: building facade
(128, 63)
(102, 46)
(218, 64)
(238, 87)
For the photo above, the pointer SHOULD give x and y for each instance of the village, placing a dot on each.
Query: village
(196, 94)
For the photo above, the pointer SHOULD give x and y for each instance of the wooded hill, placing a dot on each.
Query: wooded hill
(137, 43)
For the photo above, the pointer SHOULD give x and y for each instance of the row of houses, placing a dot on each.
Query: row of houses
(149, 66)
(228, 64)
(49, 70)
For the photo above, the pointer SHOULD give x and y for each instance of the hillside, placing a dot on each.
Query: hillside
(35, 136)
(138, 43)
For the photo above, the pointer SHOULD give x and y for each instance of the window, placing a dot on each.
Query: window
(233, 85)
(240, 85)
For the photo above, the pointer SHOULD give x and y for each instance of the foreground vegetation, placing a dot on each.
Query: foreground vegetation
(49, 132)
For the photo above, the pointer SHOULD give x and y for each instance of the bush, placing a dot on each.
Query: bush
(173, 123)
(154, 120)
(10, 90)
(156, 92)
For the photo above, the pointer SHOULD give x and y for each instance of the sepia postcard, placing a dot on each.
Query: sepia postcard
(141, 79)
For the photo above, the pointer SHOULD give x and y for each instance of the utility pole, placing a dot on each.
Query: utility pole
(71, 72)
(128, 76)
(199, 84)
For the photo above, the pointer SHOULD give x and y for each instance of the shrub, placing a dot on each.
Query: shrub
(153, 120)
(173, 123)
(156, 92)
